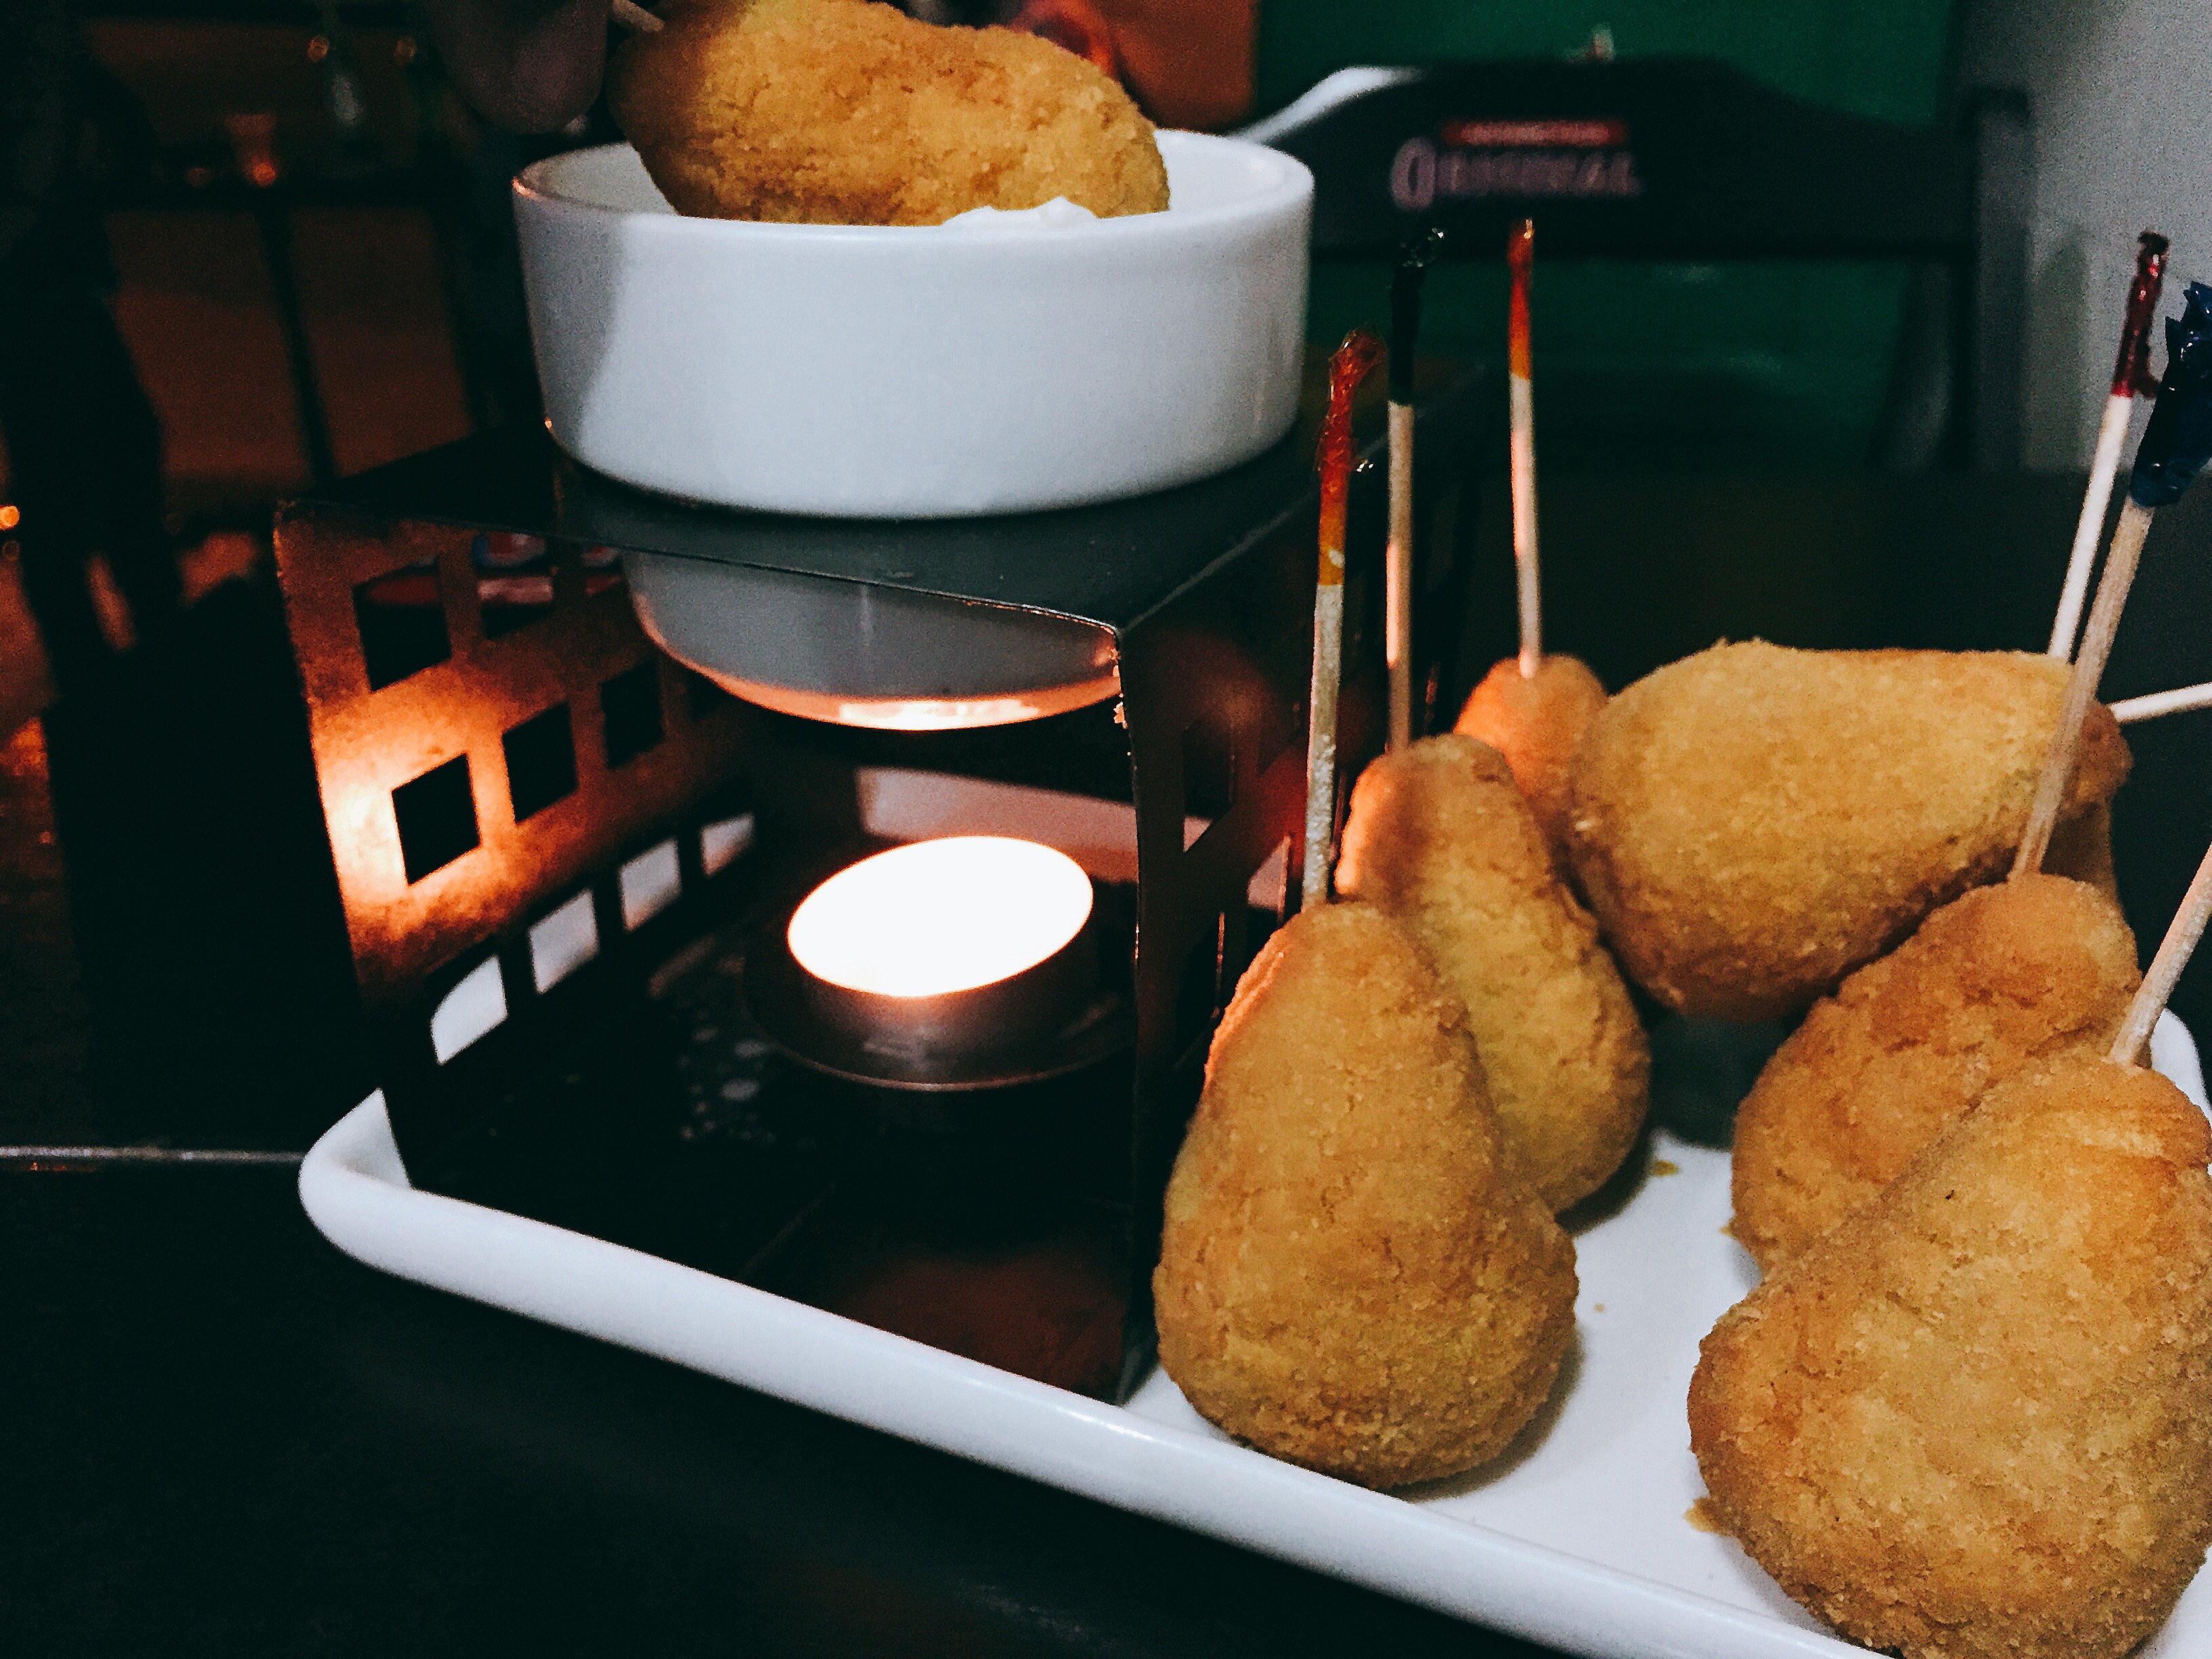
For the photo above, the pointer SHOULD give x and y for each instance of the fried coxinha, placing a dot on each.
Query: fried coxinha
(848, 111)
(1354, 1275)
(1440, 836)
(1537, 722)
(1753, 823)
(1974, 1418)
(1996, 983)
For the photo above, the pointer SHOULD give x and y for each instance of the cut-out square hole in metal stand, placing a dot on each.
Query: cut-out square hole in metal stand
(401, 623)
(630, 710)
(476, 1006)
(626, 1091)
(541, 760)
(437, 816)
(649, 884)
(563, 942)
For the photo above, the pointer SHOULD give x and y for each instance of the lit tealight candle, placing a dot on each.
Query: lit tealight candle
(940, 917)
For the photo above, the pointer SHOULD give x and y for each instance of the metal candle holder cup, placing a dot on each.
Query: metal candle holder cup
(1050, 1018)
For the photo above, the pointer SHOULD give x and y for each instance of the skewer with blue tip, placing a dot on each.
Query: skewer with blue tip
(2176, 445)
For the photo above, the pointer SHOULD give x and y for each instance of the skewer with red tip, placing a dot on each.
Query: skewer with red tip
(2131, 377)
(1520, 263)
(1348, 366)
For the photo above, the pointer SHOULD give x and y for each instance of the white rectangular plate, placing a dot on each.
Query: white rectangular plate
(1578, 1537)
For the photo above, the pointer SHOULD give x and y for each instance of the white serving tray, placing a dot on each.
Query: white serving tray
(1577, 1538)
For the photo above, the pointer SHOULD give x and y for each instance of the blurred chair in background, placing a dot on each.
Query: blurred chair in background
(1681, 365)
(1670, 161)
(84, 449)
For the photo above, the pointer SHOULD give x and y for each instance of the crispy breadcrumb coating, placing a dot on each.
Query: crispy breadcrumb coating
(1999, 981)
(847, 111)
(1537, 722)
(1352, 1275)
(1753, 823)
(1440, 836)
(1974, 1421)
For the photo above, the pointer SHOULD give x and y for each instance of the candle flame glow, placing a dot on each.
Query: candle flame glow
(940, 916)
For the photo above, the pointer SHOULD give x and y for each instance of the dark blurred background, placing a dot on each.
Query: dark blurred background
(301, 236)
(393, 224)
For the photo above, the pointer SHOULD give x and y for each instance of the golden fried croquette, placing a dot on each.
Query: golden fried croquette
(850, 112)
(1440, 838)
(1537, 721)
(1753, 823)
(1353, 1276)
(1975, 1419)
(1997, 982)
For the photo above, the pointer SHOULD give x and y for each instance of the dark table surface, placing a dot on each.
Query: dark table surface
(229, 1438)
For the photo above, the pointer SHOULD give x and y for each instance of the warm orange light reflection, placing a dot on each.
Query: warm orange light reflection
(936, 714)
(940, 916)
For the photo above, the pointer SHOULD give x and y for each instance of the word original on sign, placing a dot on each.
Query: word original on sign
(1472, 160)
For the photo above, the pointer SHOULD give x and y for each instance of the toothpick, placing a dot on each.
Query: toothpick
(1347, 367)
(2149, 707)
(2175, 446)
(631, 16)
(2181, 937)
(1398, 578)
(2131, 375)
(2082, 688)
(1520, 255)
(2119, 408)
(1398, 611)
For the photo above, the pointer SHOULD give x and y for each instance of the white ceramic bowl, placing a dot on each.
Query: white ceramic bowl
(891, 371)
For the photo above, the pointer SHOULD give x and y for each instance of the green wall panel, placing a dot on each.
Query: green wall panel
(1659, 366)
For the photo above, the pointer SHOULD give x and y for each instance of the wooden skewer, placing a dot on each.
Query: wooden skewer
(1520, 257)
(2081, 687)
(2130, 376)
(1398, 577)
(2111, 433)
(2173, 950)
(2150, 706)
(1347, 367)
(631, 16)
(1398, 610)
(2175, 446)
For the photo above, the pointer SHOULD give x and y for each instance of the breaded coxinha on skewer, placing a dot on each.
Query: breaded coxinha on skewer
(1440, 837)
(1354, 1274)
(1533, 707)
(1997, 982)
(2000, 981)
(850, 112)
(1973, 1421)
(1753, 823)
(1974, 1417)
(1537, 721)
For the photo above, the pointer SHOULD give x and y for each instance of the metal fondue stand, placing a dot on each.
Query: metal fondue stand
(558, 850)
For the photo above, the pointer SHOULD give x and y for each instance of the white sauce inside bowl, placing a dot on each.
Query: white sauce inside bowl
(1058, 213)
(1206, 174)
